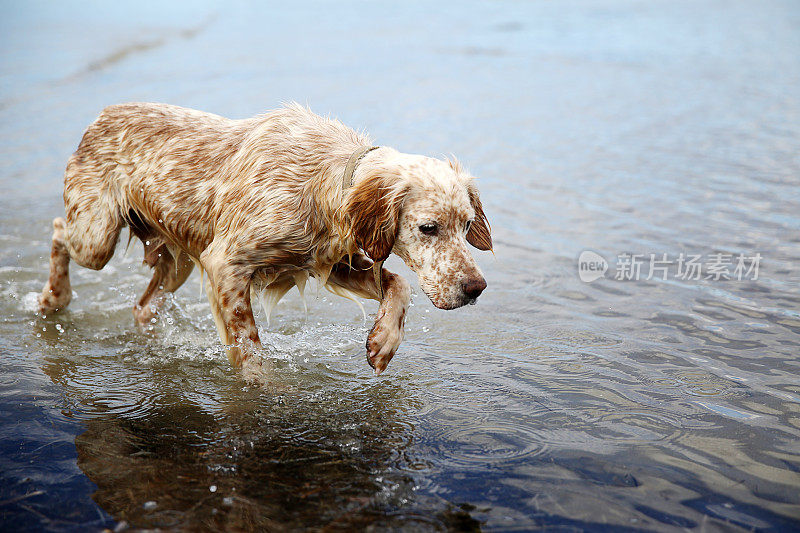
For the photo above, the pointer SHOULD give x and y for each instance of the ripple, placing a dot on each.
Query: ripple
(481, 443)
(702, 384)
(639, 426)
(522, 346)
(578, 338)
(577, 368)
(129, 402)
(489, 442)
(543, 280)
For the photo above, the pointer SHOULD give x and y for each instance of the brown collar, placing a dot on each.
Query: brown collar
(355, 157)
(347, 182)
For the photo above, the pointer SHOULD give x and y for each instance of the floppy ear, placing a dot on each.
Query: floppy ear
(479, 234)
(373, 208)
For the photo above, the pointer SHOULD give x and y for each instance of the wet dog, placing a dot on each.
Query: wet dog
(260, 205)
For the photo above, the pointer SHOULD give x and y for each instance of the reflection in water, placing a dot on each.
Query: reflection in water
(235, 459)
(192, 471)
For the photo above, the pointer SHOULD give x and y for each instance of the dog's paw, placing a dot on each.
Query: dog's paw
(384, 339)
(259, 371)
(145, 316)
(253, 370)
(53, 300)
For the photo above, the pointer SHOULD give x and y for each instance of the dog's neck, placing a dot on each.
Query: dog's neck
(347, 182)
(327, 200)
(352, 163)
(342, 174)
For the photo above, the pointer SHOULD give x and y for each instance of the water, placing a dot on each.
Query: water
(618, 127)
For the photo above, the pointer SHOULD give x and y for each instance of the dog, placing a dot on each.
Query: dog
(261, 204)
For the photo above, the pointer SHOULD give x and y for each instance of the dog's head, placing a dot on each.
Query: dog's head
(425, 211)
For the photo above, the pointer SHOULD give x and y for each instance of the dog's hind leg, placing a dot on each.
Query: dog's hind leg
(168, 275)
(57, 292)
(89, 234)
(87, 240)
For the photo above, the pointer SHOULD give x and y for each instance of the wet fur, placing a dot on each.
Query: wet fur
(258, 205)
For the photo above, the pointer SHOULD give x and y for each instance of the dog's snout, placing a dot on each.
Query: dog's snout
(473, 287)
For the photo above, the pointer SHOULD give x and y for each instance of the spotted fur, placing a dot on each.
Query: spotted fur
(257, 204)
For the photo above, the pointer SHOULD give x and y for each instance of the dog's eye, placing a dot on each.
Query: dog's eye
(469, 225)
(429, 228)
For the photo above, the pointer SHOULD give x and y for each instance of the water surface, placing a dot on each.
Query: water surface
(618, 127)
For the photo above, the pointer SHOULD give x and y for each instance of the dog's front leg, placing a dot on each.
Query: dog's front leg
(387, 332)
(229, 295)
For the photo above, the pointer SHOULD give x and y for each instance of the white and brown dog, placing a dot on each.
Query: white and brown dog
(261, 204)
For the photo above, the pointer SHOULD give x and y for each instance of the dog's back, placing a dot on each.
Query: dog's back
(149, 165)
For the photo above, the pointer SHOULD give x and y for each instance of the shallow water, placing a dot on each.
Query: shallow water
(617, 127)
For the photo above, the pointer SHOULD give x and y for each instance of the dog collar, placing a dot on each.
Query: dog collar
(355, 157)
(347, 182)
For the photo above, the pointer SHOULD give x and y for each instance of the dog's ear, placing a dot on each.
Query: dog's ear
(479, 234)
(373, 208)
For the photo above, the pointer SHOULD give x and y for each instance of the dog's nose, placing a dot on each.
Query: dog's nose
(473, 288)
